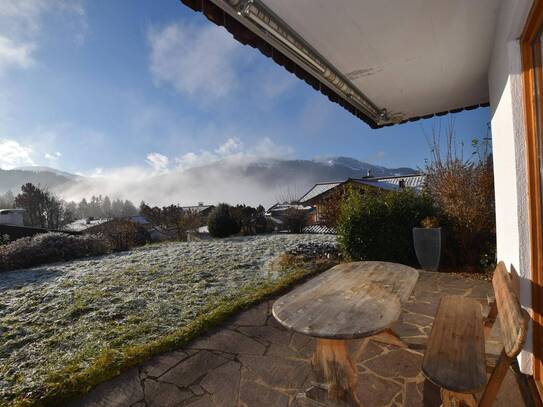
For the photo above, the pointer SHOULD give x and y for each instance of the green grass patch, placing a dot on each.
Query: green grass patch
(73, 380)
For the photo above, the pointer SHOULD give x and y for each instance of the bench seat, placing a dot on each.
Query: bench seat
(455, 356)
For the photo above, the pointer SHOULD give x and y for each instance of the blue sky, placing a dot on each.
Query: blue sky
(93, 86)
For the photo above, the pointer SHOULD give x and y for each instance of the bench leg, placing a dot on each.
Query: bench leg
(389, 337)
(333, 366)
(452, 399)
(495, 381)
(490, 319)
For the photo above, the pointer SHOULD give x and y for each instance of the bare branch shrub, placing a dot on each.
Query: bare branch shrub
(463, 189)
(288, 195)
(173, 219)
(122, 234)
(330, 205)
(295, 220)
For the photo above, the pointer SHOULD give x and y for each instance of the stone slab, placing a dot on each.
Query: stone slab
(396, 363)
(223, 384)
(157, 366)
(255, 394)
(160, 394)
(375, 391)
(190, 370)
(122, 391)
(229, 341)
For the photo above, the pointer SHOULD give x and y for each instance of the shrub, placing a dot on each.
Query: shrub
(294, 220)
(221, 222)
(251, 220)
(48, 248)
(379, 226)
(463, 189)
(4, 239)
(330, 206)
(123, 234)
(468, 217)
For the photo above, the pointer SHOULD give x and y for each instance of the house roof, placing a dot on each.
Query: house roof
(391, 183)
(385, 63)
(324, 187)
(139, 220)
(415, 181)
(84, 224)
(280, 207)
(319, 189)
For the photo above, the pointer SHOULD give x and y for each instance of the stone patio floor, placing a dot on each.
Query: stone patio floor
(251, 361)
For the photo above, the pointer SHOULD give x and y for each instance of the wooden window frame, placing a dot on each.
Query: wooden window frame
(532, 68)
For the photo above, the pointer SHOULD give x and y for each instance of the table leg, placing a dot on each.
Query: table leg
(389, 337)
(333, 367)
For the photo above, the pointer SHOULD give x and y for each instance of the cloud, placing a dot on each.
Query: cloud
(48, 156)
(233, 150)
(194, 59)
(191, 178)
(231, 146)
(192, 160)
(56, 145)
(14, 55)
(53, 157)
(158, 161)
(26, 16)
(22, 28)
(13, 154)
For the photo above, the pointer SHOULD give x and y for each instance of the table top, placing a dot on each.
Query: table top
(349, 301)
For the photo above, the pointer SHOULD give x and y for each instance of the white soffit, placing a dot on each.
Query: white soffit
(410, 57)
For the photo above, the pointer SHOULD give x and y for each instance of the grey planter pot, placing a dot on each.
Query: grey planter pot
(428, 247)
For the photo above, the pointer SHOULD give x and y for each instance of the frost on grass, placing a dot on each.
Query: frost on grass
(54, 315)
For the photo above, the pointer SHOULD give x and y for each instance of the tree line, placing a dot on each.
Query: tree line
(44, 209)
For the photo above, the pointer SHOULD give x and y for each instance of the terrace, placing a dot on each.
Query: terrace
(251, 360)
(386, 65)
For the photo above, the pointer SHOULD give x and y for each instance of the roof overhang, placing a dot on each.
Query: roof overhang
(386, 62)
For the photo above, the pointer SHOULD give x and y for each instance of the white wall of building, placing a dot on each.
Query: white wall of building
(11, 217)
(509, 148)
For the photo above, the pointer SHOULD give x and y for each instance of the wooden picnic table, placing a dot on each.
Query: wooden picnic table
(349, 301)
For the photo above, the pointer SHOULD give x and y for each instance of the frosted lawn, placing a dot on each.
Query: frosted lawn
(55, 314)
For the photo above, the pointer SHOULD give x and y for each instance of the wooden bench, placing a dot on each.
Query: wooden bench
(455, 356)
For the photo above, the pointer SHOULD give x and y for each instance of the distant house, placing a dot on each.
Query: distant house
(201, 210)
(276, 213)
(155, 233)
(93, 225)
(12, 217)
(325, 192)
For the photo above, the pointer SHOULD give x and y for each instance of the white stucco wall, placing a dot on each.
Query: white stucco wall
(509, 148)
(11, 218)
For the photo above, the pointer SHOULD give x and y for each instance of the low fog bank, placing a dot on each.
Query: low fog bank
(252, 184)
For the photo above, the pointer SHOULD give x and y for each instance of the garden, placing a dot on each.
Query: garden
(67, 326)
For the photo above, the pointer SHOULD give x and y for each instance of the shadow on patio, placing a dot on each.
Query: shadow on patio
(253, 361)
